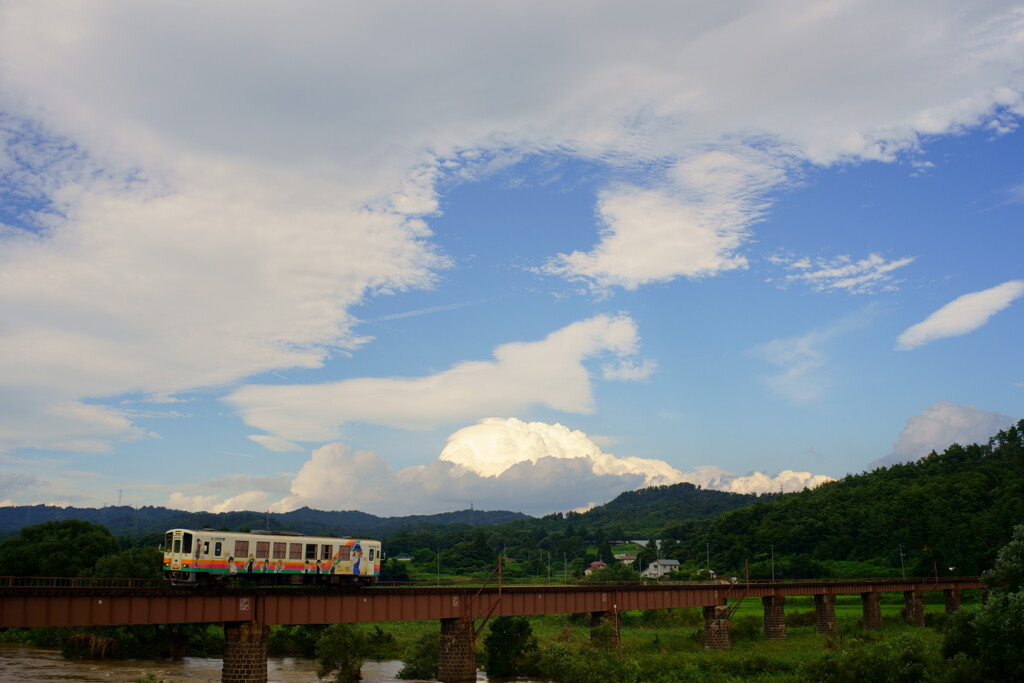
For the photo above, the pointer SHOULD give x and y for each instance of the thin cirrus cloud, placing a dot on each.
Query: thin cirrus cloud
(549, 372)
(870, 274)
(803, 359)
(962, 315)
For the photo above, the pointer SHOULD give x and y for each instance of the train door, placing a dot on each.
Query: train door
(178, 547)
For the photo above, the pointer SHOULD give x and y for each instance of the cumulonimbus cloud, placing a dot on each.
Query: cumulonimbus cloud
(500, 463)
(962, 315)
(937, 427)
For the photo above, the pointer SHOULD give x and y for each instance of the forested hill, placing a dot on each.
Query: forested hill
(953, 509)
(644, 512)
(123, 520)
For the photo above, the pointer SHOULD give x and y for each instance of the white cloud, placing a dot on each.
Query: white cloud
(786, 481)
(212, 212)
(864, 276)
(498, 463)
(941, 425)
(494, 445)
(962, 315)
(550, 372)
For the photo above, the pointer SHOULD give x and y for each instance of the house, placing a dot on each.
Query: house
(659, 568)
(595, 566)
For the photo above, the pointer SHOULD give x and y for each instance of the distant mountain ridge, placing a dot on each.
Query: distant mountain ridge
(124, 520)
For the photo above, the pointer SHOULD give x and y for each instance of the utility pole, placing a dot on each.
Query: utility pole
(773, 563)
(903, 569)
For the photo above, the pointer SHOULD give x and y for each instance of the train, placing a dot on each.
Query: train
(207, 557)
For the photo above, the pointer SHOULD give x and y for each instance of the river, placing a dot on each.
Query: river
(20, 664)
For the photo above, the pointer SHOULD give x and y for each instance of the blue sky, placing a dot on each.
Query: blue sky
(408, 259)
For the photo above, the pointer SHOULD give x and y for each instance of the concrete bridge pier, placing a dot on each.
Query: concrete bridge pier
(774, 617)
(598, 635)
(245, 652)
(914, 601)
(954, 599)
(825, 613)
(458, 651)
(872, 606)
(716, 628)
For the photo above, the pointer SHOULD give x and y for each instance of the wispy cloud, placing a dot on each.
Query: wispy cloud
(842, 273)
(803, 358)
(962, 315)
(427, 311)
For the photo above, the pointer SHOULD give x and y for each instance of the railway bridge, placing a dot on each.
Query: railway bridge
(248, 613)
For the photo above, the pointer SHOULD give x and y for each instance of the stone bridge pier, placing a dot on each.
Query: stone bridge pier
(825, 613)
(598, 635)
(458, 651)
(871, 604)
(954, 598)
(716, 628)
(914, 601)
(774, 617)
(245, 652)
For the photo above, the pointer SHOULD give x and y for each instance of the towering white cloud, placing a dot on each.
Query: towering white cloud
(498, 463)
(962, 315)
(941, 424)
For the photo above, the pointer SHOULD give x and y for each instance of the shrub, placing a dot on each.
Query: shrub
(341, 651)
(509, 645)
(422, 658)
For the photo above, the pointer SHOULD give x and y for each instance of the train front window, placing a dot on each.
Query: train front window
(186, 544)
(369, 557)
(168, 541)
(177, 546)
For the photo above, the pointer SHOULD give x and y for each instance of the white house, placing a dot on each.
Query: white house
(659, 568)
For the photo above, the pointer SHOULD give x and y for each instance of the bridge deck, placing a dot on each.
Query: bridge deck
(89, 606)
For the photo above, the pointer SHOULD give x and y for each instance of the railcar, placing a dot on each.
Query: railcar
(205, 556)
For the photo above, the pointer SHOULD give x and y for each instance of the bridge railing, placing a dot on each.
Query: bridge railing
(77, 582)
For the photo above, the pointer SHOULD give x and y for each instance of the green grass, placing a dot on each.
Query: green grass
(667, 645)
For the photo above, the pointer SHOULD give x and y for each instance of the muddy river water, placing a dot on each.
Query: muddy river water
(20, 664)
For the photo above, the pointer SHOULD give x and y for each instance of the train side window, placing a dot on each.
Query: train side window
(241, 549)
(294, 551)
(344, 553)
(177, 546)
(186, 543)
(325, 552)
(206, 547)
(279, 551)
(370, 556)
(311, 551)
(262, 548)
(217, 547)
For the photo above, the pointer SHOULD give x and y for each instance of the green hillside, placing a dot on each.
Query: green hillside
(949, 510)
(127, 521)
